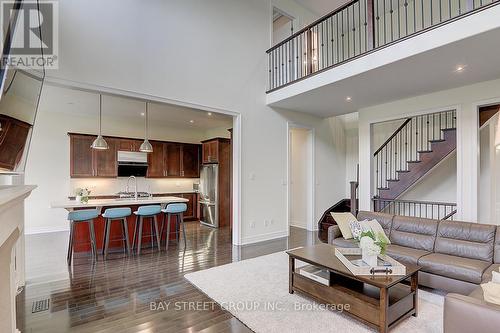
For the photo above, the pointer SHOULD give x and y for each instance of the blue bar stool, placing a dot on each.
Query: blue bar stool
(82, 216)
(116, 214)
(144, 212)
(175, 209)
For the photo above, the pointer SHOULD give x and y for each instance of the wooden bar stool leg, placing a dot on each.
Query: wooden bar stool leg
(108, 233)
(139, 239)
(125, 232)
(135, 232)
(177, 228)
(168, 230)
(151, 220)
(158, 235)
(162, 225)
(70, 243)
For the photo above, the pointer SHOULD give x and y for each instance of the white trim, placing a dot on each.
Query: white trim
(298, 224)
(45, 230)
(311, 205)
(264, 237)
(54, 81)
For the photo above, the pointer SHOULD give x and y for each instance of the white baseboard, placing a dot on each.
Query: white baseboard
(44, 230)
(298, 224)
(263, 237)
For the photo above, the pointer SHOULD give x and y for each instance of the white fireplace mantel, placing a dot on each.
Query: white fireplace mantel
(11, 251)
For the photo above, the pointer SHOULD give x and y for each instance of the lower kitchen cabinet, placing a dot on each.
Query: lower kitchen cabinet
(192, 211)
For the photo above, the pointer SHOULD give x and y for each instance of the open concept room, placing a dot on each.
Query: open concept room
(237, 166)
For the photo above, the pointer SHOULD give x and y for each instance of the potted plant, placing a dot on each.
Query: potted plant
(82, 195)
(371, 245)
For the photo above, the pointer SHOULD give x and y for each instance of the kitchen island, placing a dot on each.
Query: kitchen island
(82, 237)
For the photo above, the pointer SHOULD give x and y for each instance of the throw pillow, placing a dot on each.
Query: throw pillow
(356, 229)
(495, 277)
(378, 230)
(491, 292)
(343, 220)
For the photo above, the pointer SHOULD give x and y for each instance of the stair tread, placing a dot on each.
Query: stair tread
(393, 180)
(437, 140)
(413, 161)
(402, 171)
(449, 129)
(424, 151)
(383, 188)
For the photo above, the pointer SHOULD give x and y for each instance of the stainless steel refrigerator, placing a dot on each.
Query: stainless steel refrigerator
(209, 201)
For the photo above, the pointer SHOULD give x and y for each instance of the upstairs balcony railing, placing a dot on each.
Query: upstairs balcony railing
(357, 28)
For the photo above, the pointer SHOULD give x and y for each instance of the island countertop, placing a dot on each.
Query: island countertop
(72, 204)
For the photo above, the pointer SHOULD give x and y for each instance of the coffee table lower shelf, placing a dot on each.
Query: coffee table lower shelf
(381, 308)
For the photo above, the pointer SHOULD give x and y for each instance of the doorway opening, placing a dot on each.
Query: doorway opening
(300, 199)
(283, 26)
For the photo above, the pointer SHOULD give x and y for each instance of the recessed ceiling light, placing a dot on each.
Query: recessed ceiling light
(191, 121)
(210, 113)
(142, 114)
(460, 68)
(348, 98)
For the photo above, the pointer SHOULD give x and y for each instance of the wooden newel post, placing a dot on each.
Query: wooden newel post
(354, 199)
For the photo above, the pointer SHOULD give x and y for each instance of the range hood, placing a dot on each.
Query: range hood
(132, 164)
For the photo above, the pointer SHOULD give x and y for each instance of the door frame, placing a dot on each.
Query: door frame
(311, 202)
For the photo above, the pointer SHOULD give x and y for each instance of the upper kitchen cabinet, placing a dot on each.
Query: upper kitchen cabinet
(105, 161)
(190, 161)
(173, 163)
(156, 161)
(87, 162)
(129, 144)
(81, 156)
(212, 148)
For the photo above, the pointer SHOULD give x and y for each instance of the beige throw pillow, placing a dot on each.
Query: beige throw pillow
(491, 292)
(378, 230)
(495, 277)
(343, 220)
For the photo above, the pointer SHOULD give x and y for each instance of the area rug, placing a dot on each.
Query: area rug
(256, 292)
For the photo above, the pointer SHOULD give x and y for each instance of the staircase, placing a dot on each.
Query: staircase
(413, 150)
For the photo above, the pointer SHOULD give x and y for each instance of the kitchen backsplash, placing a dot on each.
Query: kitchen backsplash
(110, 186)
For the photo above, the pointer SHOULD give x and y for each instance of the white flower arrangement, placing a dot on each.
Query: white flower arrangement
(82, 194)
(371, 246)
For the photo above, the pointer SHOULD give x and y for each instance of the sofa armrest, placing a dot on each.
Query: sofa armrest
(466, 314)
(333, 232)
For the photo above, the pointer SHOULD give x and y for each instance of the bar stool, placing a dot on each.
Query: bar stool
(116, 214)
(82, 216)
(175, 209)
(144, 212)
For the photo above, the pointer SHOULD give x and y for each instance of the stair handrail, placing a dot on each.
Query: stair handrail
(399, 129)
(449, 215)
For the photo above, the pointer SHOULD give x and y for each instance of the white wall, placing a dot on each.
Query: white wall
(465, 100)
(299, 172)
(207, 53)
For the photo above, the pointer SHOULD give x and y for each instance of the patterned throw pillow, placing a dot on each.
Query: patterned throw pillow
(356, 229)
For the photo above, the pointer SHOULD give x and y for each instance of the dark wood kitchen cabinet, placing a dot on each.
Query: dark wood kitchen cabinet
(210, 151)
(13, 138)
(156, 160)
(87, 162)
(191, 213)
(129, 144)
(190, 161)
(173, 163)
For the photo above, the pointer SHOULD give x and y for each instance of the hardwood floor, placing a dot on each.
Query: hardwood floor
(131, 294)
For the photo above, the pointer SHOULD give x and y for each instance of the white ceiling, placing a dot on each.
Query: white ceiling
(58, 99)
(418, 75)
(321, 7)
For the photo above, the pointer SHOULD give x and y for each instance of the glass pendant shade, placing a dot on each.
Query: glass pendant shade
(146, 147)
(99, 143)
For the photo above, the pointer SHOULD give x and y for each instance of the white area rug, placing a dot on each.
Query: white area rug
(256, 292)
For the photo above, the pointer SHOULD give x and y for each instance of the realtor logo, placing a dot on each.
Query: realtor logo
(30, 32)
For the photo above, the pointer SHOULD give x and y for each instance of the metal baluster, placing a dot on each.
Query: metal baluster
(423, 15)
(399, 21)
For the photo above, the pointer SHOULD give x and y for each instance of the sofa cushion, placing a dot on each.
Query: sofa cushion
(405, 255)
(487, 275)
(464, 269)
(414, 232)
(341, 242)
(496, 258)
(384, 219)
(467, 240)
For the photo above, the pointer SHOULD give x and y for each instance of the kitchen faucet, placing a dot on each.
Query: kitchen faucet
(135, 186)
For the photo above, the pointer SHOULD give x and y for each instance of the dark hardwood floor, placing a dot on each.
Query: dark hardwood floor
(116, 295)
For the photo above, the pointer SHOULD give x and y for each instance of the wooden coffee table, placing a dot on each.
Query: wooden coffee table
(378, 301)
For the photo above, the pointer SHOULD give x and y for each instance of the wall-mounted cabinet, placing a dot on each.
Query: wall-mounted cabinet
(13, 136)
(87, 162)
(210, 151)
(168, 159)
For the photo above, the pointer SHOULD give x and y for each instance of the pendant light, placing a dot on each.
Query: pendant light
(99, 143)
(146, 146)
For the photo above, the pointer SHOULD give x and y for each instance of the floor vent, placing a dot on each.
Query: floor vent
(39, 306)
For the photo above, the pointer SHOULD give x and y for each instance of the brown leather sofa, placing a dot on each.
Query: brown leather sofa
(455, 257)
